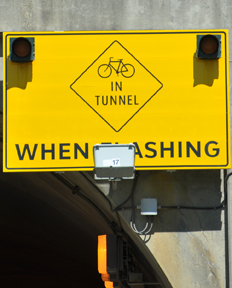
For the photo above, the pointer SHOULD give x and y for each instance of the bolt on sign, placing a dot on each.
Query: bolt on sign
(165, 91)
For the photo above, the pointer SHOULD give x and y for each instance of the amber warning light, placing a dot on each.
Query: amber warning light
(22, 49)
(108, 259)
(209, 46)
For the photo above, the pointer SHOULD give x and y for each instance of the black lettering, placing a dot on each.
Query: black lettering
(63, 151)
(26, 148)
(180, 149)
(129, 99)
(135, 100)
(214, 149)
(113, 99)
(48, 151)
(196, 152)
(150, 149)
(137, 150)
(122, 100)
(85, 153)
(117, 86)
(103, 100)
(97, 99)
(167, 149)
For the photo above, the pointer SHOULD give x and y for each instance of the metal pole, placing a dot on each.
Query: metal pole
(229, 227)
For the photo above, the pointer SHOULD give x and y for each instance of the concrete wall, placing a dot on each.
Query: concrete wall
(190, 246)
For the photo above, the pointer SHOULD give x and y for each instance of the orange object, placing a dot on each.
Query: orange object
(107, 258)
(102, 254)
(105, 277)
(109, 284)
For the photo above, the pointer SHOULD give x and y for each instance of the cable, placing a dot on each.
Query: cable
(127, 208)
(131, 194)
(76, 190)
(151, 226)
(144, 231)
(133, 227)
(132, 221)
(145, 236)
(122, 232)
(96, 187)
(192, 208)
(119, 220)
(106, 198)
(222, 205)
(225, 188)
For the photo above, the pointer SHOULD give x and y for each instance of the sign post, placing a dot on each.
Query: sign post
(150, 88)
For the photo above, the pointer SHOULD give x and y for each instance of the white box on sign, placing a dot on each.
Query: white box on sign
(113, 161)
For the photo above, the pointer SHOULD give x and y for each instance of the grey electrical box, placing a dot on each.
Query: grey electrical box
(114, 161)
(149, 206)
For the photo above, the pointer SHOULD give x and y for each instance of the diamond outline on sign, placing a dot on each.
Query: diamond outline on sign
(93, 108)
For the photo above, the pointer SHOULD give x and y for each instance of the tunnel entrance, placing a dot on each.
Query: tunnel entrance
(42, 245)
(49, 231)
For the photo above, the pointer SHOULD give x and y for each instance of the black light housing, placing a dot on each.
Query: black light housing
(22, 49)
(209, 46)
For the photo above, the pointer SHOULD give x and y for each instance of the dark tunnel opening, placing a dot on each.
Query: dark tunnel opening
(42, 247)
(49, 231)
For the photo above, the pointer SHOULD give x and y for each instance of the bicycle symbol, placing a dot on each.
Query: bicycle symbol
(105, 70)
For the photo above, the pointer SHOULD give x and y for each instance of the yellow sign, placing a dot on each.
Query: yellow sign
(150, 88)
